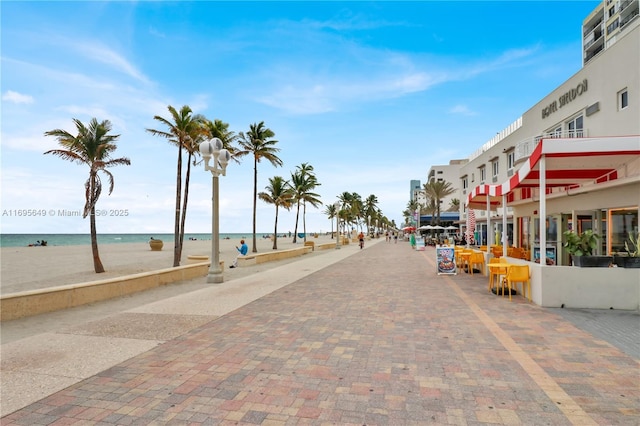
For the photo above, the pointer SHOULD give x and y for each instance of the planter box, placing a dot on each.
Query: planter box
(592, 261)
(627, 261)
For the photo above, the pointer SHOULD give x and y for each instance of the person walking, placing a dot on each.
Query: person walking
(242, 251)
(361, 240)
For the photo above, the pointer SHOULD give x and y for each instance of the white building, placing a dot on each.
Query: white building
(574, 159)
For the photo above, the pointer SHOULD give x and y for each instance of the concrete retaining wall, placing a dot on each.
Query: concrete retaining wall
(257, 258)
(34, 302)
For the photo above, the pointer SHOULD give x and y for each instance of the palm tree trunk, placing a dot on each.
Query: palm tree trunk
(304, 220)
(295, 230)
(275, 231)
(97, 264)
(176, 233)
(184, 205)
(255, 200)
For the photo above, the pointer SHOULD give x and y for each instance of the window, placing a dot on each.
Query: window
(465, 183)
(612, 11)
(575, 127)
(557, 132)
(483, 174)
(495, 168)
(511, 160)
(623, 99)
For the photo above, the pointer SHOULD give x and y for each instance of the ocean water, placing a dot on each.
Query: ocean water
(23, 240)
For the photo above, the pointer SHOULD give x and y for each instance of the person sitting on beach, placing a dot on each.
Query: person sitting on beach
(242, 251)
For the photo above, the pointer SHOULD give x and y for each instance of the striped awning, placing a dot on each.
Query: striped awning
(568, 163)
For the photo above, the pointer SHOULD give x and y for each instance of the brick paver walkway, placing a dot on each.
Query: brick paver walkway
(376, 339)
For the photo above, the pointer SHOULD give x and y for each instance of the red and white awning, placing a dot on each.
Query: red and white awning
(574, 162)
(568, 163)
(477, 198)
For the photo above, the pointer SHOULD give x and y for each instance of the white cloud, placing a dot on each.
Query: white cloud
(101, 53)
(462, 109)
(17, 98)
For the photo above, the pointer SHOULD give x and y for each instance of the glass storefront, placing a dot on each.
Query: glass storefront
(616, 226)
(622, 224)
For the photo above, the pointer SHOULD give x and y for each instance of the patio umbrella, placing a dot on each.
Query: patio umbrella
(471, 224)
(409, 228)
(438, 227)
(426, 227)
(451, 227)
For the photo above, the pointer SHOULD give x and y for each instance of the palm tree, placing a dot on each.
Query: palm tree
(91, 146)
(331, 212)
(371, 210)
(303, 182)
(437, 190)
(344, 212)
(280, 194)
(454, 205)
(257, 142)
(184, 131)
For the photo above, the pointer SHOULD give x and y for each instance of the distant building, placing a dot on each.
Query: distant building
(448, 173)
(416, 193)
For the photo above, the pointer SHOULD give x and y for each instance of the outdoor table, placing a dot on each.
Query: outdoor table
(494, 269)
(464, 258)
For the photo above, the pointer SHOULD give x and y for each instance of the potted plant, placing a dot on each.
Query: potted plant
(156, 245)
(581, 248)
(633, 249)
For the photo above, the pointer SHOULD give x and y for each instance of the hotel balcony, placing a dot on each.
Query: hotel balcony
(523, 149)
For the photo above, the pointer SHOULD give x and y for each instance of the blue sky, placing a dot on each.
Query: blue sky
(371, 94)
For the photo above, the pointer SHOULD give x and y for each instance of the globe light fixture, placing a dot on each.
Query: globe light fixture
(216, 159)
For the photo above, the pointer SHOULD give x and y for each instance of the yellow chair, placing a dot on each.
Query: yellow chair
(518, 274)
(456, 253)
(483, 248)
(516, 252)
(463, 258)
(496, 272)
(496, 251)
(476, 258)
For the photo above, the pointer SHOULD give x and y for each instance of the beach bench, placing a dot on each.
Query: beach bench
(257, 258)
(310, 244)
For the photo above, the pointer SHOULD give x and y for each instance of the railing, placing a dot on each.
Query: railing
(595, 33)
(497, 138)
(628, 19)
(625, 4)
(524, 148)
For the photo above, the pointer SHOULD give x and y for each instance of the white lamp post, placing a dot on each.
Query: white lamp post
(337, 207)
(214, 148)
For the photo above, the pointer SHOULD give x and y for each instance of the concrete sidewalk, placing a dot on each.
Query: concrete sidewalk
(369, 336)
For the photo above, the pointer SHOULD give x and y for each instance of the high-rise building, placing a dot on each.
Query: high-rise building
(606, 24)
(415, 190)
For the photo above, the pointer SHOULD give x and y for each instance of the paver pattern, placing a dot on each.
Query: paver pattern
(376, 339)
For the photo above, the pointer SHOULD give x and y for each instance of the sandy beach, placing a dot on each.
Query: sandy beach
(31, 268)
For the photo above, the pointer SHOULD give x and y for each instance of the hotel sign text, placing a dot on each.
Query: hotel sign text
(565, 98)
